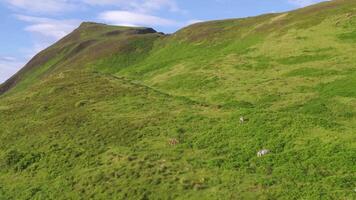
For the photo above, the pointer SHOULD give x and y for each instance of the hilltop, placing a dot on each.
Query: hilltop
(132, 113)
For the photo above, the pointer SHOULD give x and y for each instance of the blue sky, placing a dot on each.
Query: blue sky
(28, 26)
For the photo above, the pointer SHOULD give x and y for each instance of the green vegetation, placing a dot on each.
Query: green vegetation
(127, 113)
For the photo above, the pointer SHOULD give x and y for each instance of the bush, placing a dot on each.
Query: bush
(27, 161)
(20, 161)
(12, 157)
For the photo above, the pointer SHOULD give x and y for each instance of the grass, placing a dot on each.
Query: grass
(96, 122)
(311, 72)
(344, 87)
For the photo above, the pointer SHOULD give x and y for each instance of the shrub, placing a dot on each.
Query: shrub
(13, 157)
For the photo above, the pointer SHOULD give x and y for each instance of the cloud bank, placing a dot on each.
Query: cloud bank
(126, 18)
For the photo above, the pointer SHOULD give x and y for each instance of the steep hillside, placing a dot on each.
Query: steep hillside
(89, 42)
(129, 113)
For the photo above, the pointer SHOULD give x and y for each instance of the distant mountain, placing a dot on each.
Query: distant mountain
(114, 112)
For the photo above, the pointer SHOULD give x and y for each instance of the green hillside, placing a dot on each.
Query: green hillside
(129, 113)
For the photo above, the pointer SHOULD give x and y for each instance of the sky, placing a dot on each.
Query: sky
(29, 26)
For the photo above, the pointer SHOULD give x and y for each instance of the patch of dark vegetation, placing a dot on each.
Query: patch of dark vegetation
(258, 63)
(348, 37)
(114, 33)
(311, 72)
(314, 107)
(268, 100)
(318, 112)
(238, 104)
(345, 87)
(324, 112)
(80, 47)
(301, 38)
(20, 161)
(305, 89)
(144, 31)
(320, 50)
(139, 31)
(302, 59)
(90, 24)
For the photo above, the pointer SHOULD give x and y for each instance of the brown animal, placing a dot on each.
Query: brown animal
(173, 142)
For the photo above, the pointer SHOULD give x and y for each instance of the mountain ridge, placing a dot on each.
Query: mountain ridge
(47, 53)
(279, 18)
(94, 26)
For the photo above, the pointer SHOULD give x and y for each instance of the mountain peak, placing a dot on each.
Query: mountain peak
(86, 24)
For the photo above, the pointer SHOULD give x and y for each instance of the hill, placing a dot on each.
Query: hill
(129, 113)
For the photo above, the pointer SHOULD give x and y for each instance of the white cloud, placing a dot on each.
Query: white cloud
(302, 3)
(7, 59)
(159, 4)
(45, 31)
(129, 12)
(43, 6)
(50, 28)
(60, 6)
(134, 19)
(194, 21)
(141, 6)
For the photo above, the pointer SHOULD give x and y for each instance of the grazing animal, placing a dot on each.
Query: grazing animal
(173, 142)
(242, 120)
(262, 152)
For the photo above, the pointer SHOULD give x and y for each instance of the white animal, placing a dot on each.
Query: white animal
(262, 152)
(242, 120)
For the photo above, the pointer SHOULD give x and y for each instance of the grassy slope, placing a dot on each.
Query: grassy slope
(95, 119)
